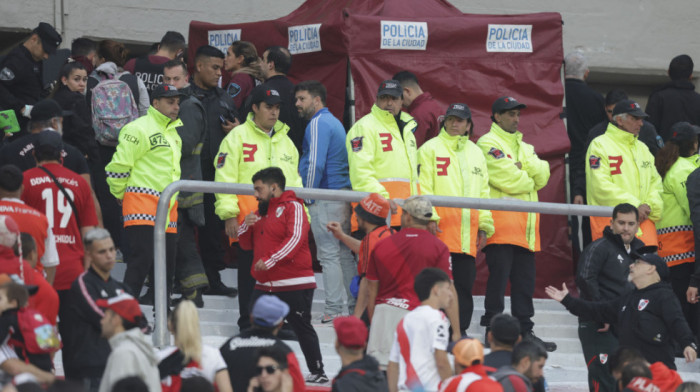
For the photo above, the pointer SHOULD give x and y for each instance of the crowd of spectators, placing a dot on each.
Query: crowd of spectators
(83, 168)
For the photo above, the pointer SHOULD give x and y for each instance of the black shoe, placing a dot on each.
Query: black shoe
(549, 346)
(194, 296)
(317, 378)
(219, 288)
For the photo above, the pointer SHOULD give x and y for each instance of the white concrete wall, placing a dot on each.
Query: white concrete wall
(623, 36)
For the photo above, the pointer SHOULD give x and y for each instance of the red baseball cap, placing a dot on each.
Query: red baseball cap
(351, 331)
(124, 305)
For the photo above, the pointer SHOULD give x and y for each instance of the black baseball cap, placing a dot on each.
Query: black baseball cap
(390, 87)
(50, 39)
(504, 104)
(265, 94)
(165, 91)
(684, 132)
(46, 109)
(648, 255)
(460, 110)
(630, 107)
(48, 140)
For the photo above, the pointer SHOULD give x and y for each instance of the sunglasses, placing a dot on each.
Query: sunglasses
(270, 369)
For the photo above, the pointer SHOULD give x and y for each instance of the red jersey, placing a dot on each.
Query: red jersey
(281, 240)
(396, 260)
(29, 220)
(367, 246)
(42, 193)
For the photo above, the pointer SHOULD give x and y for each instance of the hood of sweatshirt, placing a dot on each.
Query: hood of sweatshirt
(137, 340)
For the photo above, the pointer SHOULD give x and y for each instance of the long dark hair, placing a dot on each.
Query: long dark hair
(669, 153)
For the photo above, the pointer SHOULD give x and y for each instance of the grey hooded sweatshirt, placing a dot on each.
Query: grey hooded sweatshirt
(132, 355)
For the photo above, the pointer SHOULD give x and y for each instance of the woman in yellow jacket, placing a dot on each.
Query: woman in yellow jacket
(675, 161)
(451, 165)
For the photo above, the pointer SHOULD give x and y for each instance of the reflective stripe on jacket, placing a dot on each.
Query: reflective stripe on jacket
(675, 230)
(621, 169)
(382, 157)
(246, 150)
(454, 166)
(502, 151)
(146, 161)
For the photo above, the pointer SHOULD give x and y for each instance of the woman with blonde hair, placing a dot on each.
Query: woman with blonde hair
(243, 61)
(190, 357)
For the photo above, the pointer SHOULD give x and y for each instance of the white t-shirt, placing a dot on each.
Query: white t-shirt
(427, 330)
(212, 362)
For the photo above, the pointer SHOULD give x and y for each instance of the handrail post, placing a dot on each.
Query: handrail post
(160, 334)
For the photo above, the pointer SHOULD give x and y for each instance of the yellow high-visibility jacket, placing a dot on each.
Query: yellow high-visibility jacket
(246, 150)
(454, 166)
(146, 161)
(382, 157)
(675, 229)
(621, 169)
(502, 151)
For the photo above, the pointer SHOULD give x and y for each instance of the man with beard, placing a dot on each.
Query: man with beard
(282, 260)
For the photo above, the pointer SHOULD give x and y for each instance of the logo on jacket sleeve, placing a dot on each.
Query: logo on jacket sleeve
(642, 304)
(221, 160)
(6, 74)
(356, 144)
(279, 211)
(496, 153)
(594, 162)
(603, 358)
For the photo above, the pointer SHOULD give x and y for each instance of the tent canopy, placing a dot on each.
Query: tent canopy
(457, 57)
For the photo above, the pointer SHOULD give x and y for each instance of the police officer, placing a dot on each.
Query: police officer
(21, 83)
(146, 161)
(621, 169)
(451, 165)
(382, 150)
(602, 276)
(650, 315)
(515, 171)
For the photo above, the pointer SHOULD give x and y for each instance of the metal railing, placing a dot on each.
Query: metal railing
(160, 335)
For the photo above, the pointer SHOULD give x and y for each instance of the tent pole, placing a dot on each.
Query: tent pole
(351, 86)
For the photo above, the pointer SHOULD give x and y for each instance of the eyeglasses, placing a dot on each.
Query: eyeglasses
(270, 369)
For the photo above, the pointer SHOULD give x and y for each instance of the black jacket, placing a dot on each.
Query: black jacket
(604, 266)
(217, 104)
(675, 101)
(693, 188)
(77, 127)
(288, 110)
(647, 319)
(85, 351)
(20, 82)
(360, 376)
(192, 132)
(19, 153)
(584, 109)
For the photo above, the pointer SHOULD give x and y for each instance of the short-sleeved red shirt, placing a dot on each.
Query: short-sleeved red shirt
(367, 246)
(41, 193)
(396, 261)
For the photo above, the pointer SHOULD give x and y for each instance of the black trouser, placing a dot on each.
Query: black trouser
(299, 318)
(210, 235)
(246, 284)
(111, 210)
(139, 258)
(189, 270)
(680, 279)
(464, 273)
(597, 349)
(517, 264)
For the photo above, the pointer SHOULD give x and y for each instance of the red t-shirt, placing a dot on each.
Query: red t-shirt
(367, 246)
(29, 220)
(42, 193)
(396, 261)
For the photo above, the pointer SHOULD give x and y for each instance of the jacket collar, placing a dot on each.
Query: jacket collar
(162, 119)
(320, 112)
(418, 101)
(620, 135)
(457, 143)
(286, 196)
(384, 116)
(279, 127)
(517, 136)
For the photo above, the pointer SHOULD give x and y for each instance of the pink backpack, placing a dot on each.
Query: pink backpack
(113, 106)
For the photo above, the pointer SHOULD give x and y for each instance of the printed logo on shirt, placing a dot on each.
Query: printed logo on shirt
(397, 302)
(356, 144)
(221, 160)
(642, 304)
(620, 259)
(603, 358)
(594, 162)
(131, 139)
(286, 158)
(158, 140)
(6, 74)
(646, 164)
(103, 293)
(279, 211)
(441, 332)
(496, 153)
(477, 171)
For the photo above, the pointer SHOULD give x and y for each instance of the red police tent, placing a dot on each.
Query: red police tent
(457, 57)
